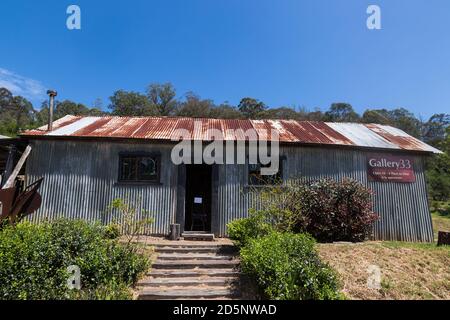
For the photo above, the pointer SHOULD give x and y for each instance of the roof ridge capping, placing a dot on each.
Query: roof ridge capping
(350, 134)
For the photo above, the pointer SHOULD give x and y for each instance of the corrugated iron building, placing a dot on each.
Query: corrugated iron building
(84, 160)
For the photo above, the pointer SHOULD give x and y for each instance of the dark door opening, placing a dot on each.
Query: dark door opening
(198, 198)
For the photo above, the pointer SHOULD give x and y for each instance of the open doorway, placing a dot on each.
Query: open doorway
(198, 198)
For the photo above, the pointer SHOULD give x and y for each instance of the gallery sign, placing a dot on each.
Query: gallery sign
(387, 168)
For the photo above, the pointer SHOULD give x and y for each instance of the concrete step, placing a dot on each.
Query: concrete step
(188, 293)
(189, 264)
(188, 281)
(192, 256)
(198, 236)
(173, 273)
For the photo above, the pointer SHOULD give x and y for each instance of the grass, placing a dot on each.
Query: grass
(440, 223)
(408, 270)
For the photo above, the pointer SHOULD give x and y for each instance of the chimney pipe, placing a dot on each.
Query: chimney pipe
(52, 94)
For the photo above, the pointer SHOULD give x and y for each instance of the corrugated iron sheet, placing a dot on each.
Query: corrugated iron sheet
(289, 131)
(402, 207)
(81, 181)
(85, 186)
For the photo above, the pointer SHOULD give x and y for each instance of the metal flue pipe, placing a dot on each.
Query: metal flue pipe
(52, 94)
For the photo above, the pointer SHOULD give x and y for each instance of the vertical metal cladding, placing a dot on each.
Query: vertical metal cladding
(81, 182)
(402, 207)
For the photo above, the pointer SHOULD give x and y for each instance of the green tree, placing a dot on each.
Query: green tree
(68, 107)
(16, 113)
(129, 103)
(341, 112)
(438, 171)
(377, 116)
(406, 121)
(434, 130)
(225, 111)
(195, 107)
(281, 113)
(251, 108)
(162, 98)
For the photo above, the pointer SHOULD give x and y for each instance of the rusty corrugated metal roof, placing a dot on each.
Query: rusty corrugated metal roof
(289, 131)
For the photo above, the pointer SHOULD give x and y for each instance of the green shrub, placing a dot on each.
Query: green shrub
(286, 266)
(255, 226)
(34, 260)
(329, 210)
(112, 231)
(335, 211)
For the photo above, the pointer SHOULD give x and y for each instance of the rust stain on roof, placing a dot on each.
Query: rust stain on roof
(400, 138)
(205, 129)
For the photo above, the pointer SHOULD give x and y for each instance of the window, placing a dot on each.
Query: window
(255, 177)
(139, 168)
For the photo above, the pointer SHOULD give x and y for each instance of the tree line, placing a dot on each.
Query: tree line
(17, 114)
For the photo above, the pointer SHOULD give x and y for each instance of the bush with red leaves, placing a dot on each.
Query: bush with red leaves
(335, 211)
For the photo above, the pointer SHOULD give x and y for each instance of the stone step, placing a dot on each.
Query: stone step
(189, 264)
(193, 256)
(188, 293)
(173, 273)
(188, 281)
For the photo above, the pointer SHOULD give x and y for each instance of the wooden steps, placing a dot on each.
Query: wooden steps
(171, 273)
(192, 293)
(192, 272)
(190, 256)
(187, 281)
(197, 236)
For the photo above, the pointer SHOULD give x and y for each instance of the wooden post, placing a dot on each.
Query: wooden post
(443, 238)
(174, 232)
(10, 182)
(9, 164)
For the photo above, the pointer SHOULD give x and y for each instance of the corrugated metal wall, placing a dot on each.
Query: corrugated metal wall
(81, 181)
(402, 207)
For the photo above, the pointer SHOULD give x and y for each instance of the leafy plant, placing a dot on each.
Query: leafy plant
(329, 210)
(335, 211)
(34, 261)
(286, 266)
(112, 231)
(130, 223)
(255, 226)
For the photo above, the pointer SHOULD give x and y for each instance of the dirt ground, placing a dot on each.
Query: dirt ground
(408, 271)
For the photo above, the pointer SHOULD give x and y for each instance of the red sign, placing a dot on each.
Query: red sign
(387, 168)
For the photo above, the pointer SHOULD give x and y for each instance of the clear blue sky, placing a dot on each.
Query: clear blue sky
(284, 52)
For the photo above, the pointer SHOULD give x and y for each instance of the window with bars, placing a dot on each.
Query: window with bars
(255, 178)
(139, 168)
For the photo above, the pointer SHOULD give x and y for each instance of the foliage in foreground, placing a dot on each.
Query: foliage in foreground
(241, 231)
(335, 211)
(326, 209)
(286, 266)
(34, 261)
